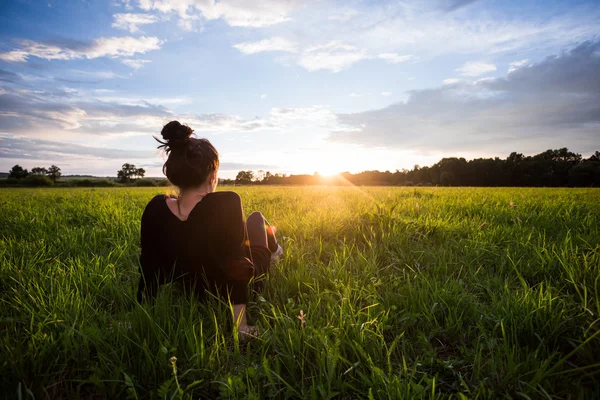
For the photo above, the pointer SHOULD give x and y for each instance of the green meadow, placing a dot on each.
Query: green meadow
(383, 293)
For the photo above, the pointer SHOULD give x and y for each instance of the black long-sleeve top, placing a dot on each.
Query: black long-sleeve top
(209, 251)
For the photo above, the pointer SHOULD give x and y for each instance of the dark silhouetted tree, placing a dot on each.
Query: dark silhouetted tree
(18, 172)
(54, 173)
(39, 171)
(128, 172)
(244, 177)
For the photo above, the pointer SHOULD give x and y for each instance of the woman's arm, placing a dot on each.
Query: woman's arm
(149, 268)
(234, 250)
(239, 268)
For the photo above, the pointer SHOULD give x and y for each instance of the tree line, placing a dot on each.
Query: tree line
(37, 174)
(553, 168)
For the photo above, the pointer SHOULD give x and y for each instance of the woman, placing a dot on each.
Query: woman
(201, 238)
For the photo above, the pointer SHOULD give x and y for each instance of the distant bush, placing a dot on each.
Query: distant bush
(37, 180)
(163, 183)
(95, 183)
(9, 182)
(105, 183)
(145, 182)
(65, 184)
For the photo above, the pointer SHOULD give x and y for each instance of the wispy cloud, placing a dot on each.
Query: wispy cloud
(271, 44)
(71, 114)
(36, 149)
(517, 64)
(427, 29)
(395, 58)
(475, 68)
(255, 14)
(132, 22)
(135, 64)
(113, 47)
(334, 56)
(450, 81)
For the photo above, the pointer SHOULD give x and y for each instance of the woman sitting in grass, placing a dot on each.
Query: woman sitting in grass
(201, 237)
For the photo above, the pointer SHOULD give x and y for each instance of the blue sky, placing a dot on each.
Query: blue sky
(296, 86)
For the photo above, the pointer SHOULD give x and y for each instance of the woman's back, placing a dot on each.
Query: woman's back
(211, 246)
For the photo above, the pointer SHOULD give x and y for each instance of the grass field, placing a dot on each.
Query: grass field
(405, 292)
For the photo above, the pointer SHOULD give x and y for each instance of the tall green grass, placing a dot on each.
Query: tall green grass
(384, 293)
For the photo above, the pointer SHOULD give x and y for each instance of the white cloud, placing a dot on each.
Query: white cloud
(121, 46)
(271, 44)
(395, 58)
(475, 68)
(135, 64)
(355, 94)
(450, 81)
(131, 22)
(334, 56)
(190, 23)
(386, 93)
(254, 14)
(113, 47)
(516, 65)
(263, 96)
(14, 56)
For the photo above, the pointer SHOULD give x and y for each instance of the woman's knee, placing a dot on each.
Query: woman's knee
(256, 216)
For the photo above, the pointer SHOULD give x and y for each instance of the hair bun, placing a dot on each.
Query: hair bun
(174, 132)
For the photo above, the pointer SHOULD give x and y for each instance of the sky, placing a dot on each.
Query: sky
(296, 86)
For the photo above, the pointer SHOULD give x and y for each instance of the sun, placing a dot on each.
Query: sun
(328, 172)
(330, 164)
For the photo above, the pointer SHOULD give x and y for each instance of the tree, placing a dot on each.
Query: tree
(54, 173)
(18, 172)
(446, 178)
(515, 157)
(39, 171)
(128, 171)
(583, 174)
(244, 177)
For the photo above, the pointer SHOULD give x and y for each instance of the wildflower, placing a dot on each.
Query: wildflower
(302, 318)
(512, 204)
(123, 324)
(173, 360)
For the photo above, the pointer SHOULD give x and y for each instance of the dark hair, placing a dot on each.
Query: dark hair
(189, 160)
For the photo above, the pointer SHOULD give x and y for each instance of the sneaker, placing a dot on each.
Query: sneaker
(276, 254)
